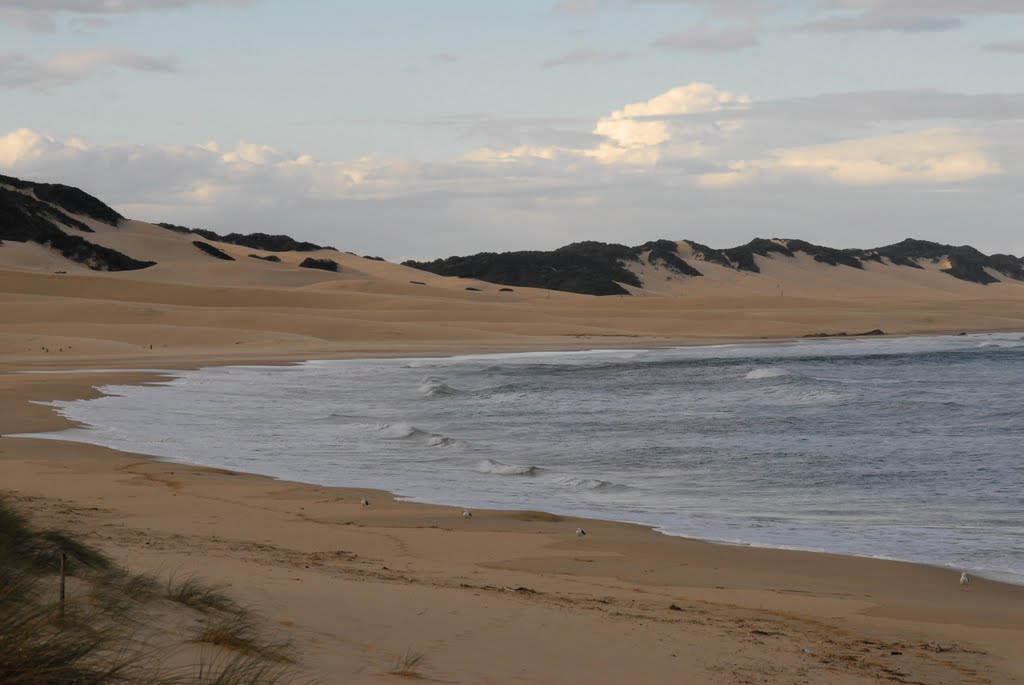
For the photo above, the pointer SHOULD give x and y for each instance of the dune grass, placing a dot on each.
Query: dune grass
(94, 637)
(195, 593)
(407, 664)
(241, 633)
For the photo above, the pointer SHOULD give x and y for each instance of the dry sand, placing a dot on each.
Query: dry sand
(505, 596)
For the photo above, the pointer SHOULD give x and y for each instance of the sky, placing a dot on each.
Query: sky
(427, 128)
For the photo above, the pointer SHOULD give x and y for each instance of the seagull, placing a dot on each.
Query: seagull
(365, 502)
(467, 514)
(965, 580)
(580, 533)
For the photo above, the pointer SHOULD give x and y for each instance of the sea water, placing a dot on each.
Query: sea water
(899, 448)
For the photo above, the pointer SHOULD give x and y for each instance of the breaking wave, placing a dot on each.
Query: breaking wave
(502, 469)
(399, 431)
(592, 484)
(761, 374)
(442, 441)
(407, 431)
(431, 386)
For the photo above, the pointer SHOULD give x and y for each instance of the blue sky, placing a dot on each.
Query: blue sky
(422, 129)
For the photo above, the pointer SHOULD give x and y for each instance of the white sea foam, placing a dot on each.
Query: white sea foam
(398, 431)
(588, 484)
(761, 374)
(498, 468)
(442, 441)
(408, 432)
(431, 386)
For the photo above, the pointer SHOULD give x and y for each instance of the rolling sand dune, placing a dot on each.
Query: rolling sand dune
(191, 303)
(506, 596)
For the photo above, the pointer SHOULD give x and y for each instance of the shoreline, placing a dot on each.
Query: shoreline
(161, 375)
(534, 568)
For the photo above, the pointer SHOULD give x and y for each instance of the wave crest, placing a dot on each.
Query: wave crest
(499, 468)
(593, 484)
(443, 441)
(761, 374)
(398, 431)
(432, 386)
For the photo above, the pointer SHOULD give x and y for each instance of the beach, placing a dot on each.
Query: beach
(506, 596)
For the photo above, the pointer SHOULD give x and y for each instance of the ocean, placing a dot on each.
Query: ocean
(907, 448)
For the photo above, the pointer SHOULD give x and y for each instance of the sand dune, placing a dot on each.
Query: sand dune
(193, 304)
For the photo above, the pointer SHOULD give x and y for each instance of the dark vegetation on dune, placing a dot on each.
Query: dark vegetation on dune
(588, 267)
(254, 241)
(213, 251)
(25, 219)
(594, 268)
(591, 268)
(67, 198)
(114, 627)
(323, 264)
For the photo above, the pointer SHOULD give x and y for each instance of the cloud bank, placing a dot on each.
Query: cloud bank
(67, 68)
(696, 151)
(40, 16)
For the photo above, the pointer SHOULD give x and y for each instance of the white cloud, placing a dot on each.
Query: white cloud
(25, 146)
(39, 16)
(66, 68)
(516, 154)
(586, 56)
(642, 132)
(1007, 46)
(703, 39)
(939, 155)
(646, 164)
(908, 16)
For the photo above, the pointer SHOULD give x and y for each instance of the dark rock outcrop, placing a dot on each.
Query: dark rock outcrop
(844, 334)
(324, 264)
(267, 258)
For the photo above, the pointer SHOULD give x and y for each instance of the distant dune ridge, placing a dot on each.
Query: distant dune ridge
(84, 231)
(595, 268)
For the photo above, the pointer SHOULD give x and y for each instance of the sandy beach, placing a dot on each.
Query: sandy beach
(506, 596)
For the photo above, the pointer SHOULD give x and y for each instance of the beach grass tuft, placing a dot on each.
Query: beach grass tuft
(103, 631)
(239, 631)
(195, 593)
(408, 663)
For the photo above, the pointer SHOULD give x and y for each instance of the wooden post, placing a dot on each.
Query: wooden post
(63, 563)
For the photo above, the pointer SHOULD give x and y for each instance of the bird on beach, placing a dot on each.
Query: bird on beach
(467, 514)
(365, 502)
(965, 580)
(580, 533)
